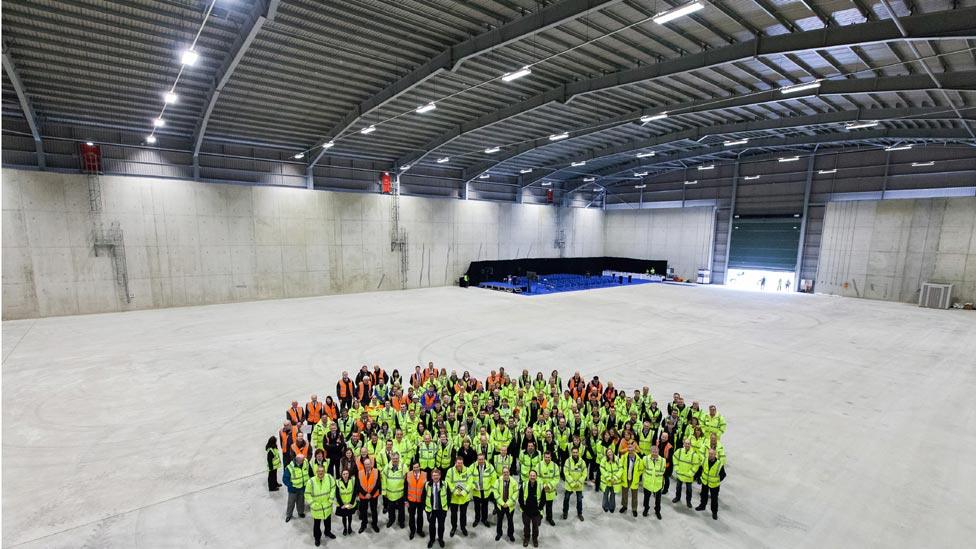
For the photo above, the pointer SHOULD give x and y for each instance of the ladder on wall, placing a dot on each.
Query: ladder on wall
(398, 236)
(110, 241)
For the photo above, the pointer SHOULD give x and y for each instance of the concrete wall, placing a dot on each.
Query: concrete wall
(886, 249)
(682, 236)
(190, 243)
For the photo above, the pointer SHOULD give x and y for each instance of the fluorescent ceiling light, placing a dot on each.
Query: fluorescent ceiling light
(484, 176)
(404, 168)
(653, 117)
(898, 148)
(509, 76)
(159, 122)
(785, 90)
(367, 130)
(190, 57)
(695, 182)
(862, 125)
(645, 155)
(788, 158)
(709, 167)
(299, 156)
(89, 143)
(558, 136)
(825, 172)
(577, 164)
(426, 108)
(526, 170)
(492, 150)
(920, 164)
(796, 215)
(546, 183)
(170, 97)
(640, 186)
(150, 139)
(751, 177)
(675, 13)
(589, 179)
(736, 142)
(328, 145)
(443, 159)
(640, 174)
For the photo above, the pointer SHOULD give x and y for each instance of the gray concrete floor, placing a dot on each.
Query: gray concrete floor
(850, 421)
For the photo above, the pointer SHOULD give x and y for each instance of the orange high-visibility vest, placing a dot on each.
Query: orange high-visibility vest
(364, 389)
(314, 412)
(330, 411)
(296, 415)
(415, 486)
(345, 389)
(416, 380)
(295, 450)
(368, 483)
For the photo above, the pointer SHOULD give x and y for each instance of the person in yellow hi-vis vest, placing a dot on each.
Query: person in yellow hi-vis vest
(459, 483)
(711, 475)
(320, 494)
(686, 464)
(653, 480)
(549, 478)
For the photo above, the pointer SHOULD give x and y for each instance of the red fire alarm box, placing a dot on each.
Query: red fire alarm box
(548, 196)
(91, 158)
(386, 183)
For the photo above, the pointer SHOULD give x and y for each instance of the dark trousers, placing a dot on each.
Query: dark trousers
(505, 515)
(317, 528)
(346, 515)
(677, 491)
(530, 526)
(416, 517)
(548, 507)
(368, 507)
(710, 493)
(459, 509)
(273, 480)
(334, 468)
(436, 524)
(667, 481)
(481, 510)
(647, 500)
(394, 512)
(345, 403)
(579, 502)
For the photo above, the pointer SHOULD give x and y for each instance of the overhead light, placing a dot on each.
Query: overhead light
(558, 136)
(589, 179)
(526, 170)
(299, 156)
(736, 142)
(367, 130)
(89, 143)
(898, 148)
(578, 164)
(443, 159)
(862, 125)
(640, 186)
(640, 174)
(796, 215)
(788, 158)
(825, 172)
(492, 150)
(509, 76)
(695, 182)
(800, 87)
(546, 183)
(158, 122)
(653, 117)
(709, 167)
(675, 13)
(170, 97)
(190, 57)
(404, 168)
(426, 108)
(920, 164)
(484, 176)
(645, 155)
(751, 177)
(328, 145)
(150, 139)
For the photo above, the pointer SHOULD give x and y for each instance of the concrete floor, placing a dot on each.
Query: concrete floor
(850, 421)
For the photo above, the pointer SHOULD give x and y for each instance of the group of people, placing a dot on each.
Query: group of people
(435, 444)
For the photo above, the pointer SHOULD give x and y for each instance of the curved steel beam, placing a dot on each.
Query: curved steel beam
(944, 25)
(265, 11)
(451, 58)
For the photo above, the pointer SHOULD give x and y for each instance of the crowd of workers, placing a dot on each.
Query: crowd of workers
(436, 444)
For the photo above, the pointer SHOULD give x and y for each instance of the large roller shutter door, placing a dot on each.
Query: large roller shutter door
(764, 243)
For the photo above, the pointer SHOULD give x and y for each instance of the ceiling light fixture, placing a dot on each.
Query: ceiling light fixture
(589, 179)
(526, 170)
(786, 90)
(921, 164)
(546, 183)
(751, 177)
(788, 158)
(170, 97)
(578, 164)
(159, 122)
(653, 117)
(898, 148)
(646, 155)
(443, 159)
(825, 172)
(736, 142)
(675, 13)
(367, 130)
(90, 143)
(640, 186)
(640, 174)
(862, 125)
(695, 182)
(509, 76)
(426, 108)
(558, 136)
(492, 150)
(150, 139)
(299, 156)
(484, 176)
(190, 57)
(328, 145)
(709, 167)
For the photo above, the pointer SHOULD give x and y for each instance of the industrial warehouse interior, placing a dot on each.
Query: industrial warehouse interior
(467, 273)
